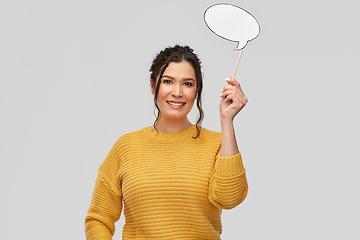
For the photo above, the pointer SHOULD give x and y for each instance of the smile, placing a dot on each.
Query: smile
(175, 104)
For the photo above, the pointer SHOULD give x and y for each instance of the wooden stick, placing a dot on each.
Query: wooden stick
(237, 63)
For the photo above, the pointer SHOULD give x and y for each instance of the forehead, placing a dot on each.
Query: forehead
(180, 70)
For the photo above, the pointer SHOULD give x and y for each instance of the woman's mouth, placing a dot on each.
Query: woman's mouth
(175, 103)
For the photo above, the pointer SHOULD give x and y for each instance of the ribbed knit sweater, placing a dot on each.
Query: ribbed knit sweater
(172, 186)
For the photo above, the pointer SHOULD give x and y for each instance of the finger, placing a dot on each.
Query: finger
(234, 97)
(227, 92)
(228, 98)
(244, 101)
(233, 82)
(229, 87)
(237, 99)
(236, 92)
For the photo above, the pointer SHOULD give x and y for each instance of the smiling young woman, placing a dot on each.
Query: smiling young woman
(175, 98)
(185, 57)
(172, 178)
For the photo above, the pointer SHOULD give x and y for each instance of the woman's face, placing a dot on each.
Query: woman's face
(177, 91)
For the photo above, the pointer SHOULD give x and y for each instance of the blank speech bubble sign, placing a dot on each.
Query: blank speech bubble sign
(232, 23)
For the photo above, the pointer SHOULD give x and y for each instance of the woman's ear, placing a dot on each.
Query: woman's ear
(151, 85)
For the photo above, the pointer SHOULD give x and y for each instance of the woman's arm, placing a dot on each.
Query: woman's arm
(105, 209)
(228, 184)
(233, 100)
(106, 202)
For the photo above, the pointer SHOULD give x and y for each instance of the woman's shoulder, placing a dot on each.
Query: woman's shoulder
(135, 135)
(206, 133)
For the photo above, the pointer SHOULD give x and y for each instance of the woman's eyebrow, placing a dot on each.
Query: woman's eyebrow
(189, 79)
(185, 79)
(167, 76)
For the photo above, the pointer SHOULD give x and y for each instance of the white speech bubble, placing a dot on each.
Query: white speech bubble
(232, 23)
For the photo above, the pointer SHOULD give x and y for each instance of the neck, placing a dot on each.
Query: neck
(172, 125)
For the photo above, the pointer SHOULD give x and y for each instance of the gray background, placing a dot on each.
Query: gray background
(74, 77)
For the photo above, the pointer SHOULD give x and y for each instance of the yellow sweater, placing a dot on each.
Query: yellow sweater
(172, 186)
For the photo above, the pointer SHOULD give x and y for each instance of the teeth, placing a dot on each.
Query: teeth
(176, 104)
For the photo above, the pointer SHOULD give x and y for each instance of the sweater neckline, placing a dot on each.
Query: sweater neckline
(189, 132)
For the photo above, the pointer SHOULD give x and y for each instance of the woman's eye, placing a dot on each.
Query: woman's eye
(167, 81)
(188, 84)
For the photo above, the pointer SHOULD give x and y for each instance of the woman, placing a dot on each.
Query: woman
(173, 178)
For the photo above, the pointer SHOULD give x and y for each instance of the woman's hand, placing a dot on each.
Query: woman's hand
(232, 101)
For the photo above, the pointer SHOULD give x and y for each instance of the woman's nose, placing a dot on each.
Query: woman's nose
(177, 91)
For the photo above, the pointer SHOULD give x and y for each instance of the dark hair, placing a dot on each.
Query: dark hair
(161, 62)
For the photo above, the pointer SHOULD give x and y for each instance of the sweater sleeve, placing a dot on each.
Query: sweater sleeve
(104, 211)
(106, 203)
(228, 184)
